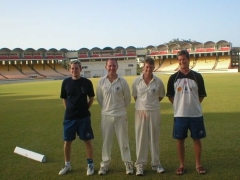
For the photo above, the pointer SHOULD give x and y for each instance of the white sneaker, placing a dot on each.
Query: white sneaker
(65, 169)
(129, 168)
(90, 169)
(158, 168)
(102, 170)
(139, 171)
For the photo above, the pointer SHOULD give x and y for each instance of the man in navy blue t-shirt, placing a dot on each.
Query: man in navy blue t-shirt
(78, 94)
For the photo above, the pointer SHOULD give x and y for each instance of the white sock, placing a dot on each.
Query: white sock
(67, 163)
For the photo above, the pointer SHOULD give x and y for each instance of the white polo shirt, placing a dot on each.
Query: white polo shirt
(113, 97)
(148, 95)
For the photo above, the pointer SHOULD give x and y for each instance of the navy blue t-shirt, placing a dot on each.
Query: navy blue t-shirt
(76, 92)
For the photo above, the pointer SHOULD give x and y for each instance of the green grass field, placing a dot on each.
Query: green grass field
(31, 116)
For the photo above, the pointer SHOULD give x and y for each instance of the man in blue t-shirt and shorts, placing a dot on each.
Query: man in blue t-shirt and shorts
(78, 94)
(186, 90)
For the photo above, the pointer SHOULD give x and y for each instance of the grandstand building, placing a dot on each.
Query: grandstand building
(53, 63)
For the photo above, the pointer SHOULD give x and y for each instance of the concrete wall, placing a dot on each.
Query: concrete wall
(97, 68)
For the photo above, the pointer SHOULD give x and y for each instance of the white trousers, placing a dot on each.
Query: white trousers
(119, 125)
(147, 131)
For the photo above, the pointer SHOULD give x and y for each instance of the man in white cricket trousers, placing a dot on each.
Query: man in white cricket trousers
(147, 90)
(113, 95)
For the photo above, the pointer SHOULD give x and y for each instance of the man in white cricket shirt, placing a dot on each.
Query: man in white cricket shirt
(147, 90)
(113, 95)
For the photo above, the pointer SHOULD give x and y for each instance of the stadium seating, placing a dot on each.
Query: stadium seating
(28, 71)
(13, 57)
(45, 70)
(210, 49)
(50, 57)
(59, 56)
(175, 51)
(2, 77)
(223, 62)
(106, 55)
(200, 50)
(3, 57)
(59, 68)
(205, 63)
(37, 57)
(82, 55)
(224, 49)
(12, 72)
(162, 52)
(95, 55)
(169, 65)
(28, 57)
(118, 54)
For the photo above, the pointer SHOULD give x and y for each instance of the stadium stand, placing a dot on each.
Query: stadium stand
(82, 55)
(45, 70)
(50, 56)
(30, 72)
(11, 72)
(162, 52)
(224, 48)
(200, 50)
(13, 56)
(37, 57)
(96, 55)
(154, 53)
(224, 62)
(118, 54)
(209, 56)
(210, 49)
(60, 69)
(169, 65)
(3, 57)
(204, 63)
(59, 56)
(2, 77)
(175, 51)
(131, 54)
(28, 57)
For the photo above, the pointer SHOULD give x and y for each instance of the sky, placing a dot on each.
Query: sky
(76, 24)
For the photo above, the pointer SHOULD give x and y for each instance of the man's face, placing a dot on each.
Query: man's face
(75, 70)
(111, 67)
(148, 68)
(183, 62)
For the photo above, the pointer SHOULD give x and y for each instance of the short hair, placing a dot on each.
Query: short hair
(76, 62)
(150, 61)
(112, 60)
(184, 52)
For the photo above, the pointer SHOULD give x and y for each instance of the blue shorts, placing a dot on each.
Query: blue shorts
(81, 127)
(194, 124)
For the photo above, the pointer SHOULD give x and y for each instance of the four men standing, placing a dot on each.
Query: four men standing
(185, 90)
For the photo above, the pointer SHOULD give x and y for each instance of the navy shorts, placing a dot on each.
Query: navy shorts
(194, 124)
(81, 127)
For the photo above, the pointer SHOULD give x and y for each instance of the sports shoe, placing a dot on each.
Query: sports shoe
(65, 169)
(139, 171)
(129, 168)
(102, 170)
(90, 169)
(158, 168)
